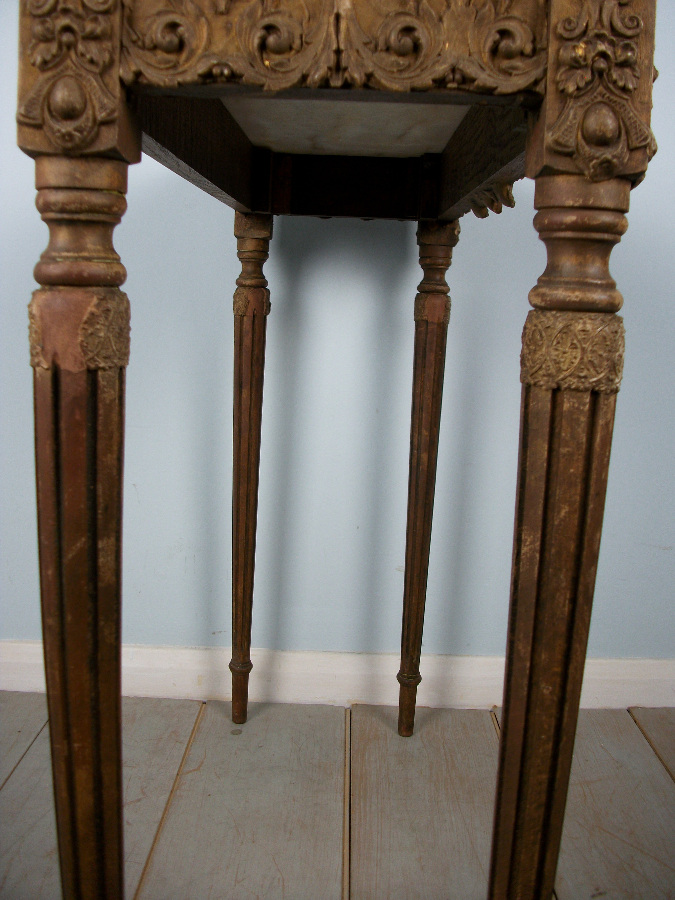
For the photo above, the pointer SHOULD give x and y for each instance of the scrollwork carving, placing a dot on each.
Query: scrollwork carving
(598, 75)
(573, 351)
(171, 42)
(387, 44)
(465, 45)
(71, 46)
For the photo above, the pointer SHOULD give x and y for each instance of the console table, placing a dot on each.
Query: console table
(407, 109)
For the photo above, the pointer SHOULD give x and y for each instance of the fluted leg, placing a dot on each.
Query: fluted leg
(432, 312)
(79, 347)
(571, 370)
(251, 307)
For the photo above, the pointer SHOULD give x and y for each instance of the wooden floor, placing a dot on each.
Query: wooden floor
(318, 802)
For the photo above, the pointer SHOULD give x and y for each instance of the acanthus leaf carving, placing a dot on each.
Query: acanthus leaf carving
(397, 45)
(598, 75)
(172, 42)
(72, 48)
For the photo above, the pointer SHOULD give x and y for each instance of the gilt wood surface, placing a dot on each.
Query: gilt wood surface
(421, 806)
(658, 727)
(155, 734)
(258, 809)
(22, 717)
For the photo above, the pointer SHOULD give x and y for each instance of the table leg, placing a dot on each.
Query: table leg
(432, 312)
(571, 369)
(251, 308)
(79, 330)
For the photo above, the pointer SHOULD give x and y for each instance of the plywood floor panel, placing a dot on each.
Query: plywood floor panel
(155, 733)
(421, 807)
(258, 809)
(658, 726)
(22, 716)
(619, 834)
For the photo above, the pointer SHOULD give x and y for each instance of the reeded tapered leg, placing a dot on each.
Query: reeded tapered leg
(251, 307)
(432, 313)
(572, 361)
(79, 330)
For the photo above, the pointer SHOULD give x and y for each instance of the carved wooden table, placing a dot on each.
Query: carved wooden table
(373, 108)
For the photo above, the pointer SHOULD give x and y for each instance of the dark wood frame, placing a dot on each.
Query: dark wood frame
(559, 90)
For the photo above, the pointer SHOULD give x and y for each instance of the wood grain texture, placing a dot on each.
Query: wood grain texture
(199, 140)
(619, 834)
(486, 151)
(251, 307)
(258, 810)
(421, 805)
(432, 313)
(155, 733)
(567, 418)
(79, 333)
(658, 727)
(22, 717)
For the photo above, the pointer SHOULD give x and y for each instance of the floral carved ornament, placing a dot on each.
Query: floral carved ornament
(598, 75)
(479, 45)
(72, 47)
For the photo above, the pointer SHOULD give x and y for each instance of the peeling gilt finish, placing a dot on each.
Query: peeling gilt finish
(573, 351)
(598, 73)
(104, 334)
(491, 46)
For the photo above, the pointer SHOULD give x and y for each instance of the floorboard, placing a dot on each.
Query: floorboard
(257, 811)
(619, 834)
(421, 807)
(155, 734)
(658, 727)
(260, 810)
(22, 717)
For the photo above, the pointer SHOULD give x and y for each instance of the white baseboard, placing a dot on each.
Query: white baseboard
(340, 679)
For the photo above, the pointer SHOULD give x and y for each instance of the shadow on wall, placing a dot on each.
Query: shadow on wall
(379, 255)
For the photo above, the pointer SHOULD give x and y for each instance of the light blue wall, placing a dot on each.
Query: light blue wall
(336, 418)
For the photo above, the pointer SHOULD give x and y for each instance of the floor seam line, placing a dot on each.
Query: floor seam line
(165, 812)
(651, 745)
(23, 755)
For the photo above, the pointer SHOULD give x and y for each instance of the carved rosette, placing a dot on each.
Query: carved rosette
(573, 351)
(598, 73)
(387, 44)
(72, 48)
